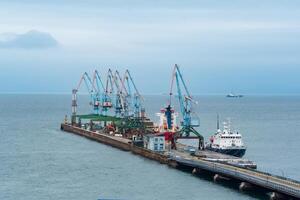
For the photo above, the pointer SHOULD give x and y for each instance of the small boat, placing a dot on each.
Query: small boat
(232, 95)
(226, 141)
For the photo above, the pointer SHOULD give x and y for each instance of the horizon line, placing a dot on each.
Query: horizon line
(154, 94)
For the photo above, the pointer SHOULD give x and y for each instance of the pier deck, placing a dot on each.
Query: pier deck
(218, 157)
(280, 187)
(257, 178)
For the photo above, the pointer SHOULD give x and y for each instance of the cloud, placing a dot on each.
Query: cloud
(30, 40)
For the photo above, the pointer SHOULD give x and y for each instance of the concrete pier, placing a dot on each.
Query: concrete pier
(278, 187)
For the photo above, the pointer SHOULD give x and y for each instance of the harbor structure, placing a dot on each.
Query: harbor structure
(218, 166)
(154, 142)
(118, 118)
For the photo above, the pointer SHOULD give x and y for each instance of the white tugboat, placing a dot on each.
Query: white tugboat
(226, 141)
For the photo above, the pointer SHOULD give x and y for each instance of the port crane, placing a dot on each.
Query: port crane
(118, 94)
(101, 94)
(189, 120)
(114, 91)
(94, 99)
(133, 100)
(122, 94)
(109, 88)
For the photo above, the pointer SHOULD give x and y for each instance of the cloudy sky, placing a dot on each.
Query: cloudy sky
(246, 46)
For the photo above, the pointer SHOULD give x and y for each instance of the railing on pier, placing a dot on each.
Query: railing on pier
(262, 179)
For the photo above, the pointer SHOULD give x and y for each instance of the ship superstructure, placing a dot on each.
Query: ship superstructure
(167, 120)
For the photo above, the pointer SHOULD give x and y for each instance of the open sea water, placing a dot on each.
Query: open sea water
(39, 162)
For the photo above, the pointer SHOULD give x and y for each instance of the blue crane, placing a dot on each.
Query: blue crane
(122, 94)
(114, 91)
(101, 94)
(185, 102)
(109, 87)
(94, 101)
(134, 101)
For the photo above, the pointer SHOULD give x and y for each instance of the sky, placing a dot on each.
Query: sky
(244, 46)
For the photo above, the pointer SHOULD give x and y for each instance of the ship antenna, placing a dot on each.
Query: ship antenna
(218, 122)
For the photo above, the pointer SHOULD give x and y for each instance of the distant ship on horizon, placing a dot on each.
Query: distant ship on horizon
(233, 95)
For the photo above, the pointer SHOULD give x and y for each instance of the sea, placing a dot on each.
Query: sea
(40, 162)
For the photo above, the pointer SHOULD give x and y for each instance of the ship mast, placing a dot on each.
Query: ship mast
(218, 122)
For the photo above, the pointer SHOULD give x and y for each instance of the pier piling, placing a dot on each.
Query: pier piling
(244, 186)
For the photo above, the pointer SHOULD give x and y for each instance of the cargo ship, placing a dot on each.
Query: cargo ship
(227, 141)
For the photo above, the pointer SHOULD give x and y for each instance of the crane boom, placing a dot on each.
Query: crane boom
(98, 81)
(109, 87)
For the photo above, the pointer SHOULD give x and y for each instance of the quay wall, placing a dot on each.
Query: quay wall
(120, 143)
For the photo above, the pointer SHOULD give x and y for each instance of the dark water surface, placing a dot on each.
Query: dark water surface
(38, 161)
